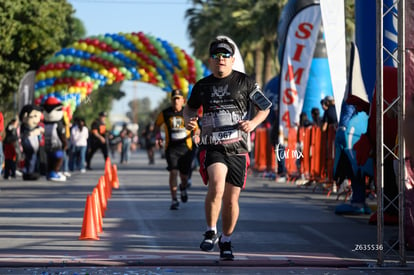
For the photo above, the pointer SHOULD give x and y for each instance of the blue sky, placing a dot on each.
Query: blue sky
(160, 18)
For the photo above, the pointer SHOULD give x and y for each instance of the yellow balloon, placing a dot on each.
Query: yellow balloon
(185, 92)
(183, 64)
(183, 83)
(152, 69)
(66, 118)
(91, 49)
(134, 39)
(141, 71)
(103, 72)
(83, 46)
(49, 74)
(96, 66)
(145, 77)
(40, 76)
(111, 76)
(140, 46)
(58, 72)
(109, 81)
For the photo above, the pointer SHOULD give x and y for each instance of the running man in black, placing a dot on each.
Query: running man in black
(97, 139)
(178, 146)
(225, 96)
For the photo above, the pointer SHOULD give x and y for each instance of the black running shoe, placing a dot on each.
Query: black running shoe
(226, 254)
(210, 239)
(174, 205)
(183, 191)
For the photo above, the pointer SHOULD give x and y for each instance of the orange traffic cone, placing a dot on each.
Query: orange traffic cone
(97, 210)
(88, 226)
(108, 168)
(102, 196)
(115, 180)
(108, 186)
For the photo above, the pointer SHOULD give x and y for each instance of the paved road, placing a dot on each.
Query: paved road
(282, 229)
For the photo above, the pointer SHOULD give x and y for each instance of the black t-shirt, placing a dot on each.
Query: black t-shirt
(175, 132)
(225, 102)
(97, 126)
(330, 115)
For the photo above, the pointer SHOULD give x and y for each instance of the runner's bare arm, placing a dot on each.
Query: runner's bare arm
(249, 125)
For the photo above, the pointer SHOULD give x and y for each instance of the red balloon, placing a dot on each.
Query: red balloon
(113, 70)
(119, 78)
(102, 46)
(95, 42)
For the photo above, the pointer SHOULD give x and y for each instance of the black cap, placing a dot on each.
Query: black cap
(103, 114)
(221, 46)
(176, 93)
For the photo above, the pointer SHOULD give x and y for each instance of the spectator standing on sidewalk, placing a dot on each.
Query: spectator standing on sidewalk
(126, 136)
(316, 117)
(226, 96)
(11, 149)
(149, 141)
(329, 115)
(79, 140)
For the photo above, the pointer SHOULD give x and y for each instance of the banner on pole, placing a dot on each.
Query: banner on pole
(26, 90)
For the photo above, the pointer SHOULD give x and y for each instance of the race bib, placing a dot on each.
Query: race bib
(178, 134)
(226, 135)
(223, 119)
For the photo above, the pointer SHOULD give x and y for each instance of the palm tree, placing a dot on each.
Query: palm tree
(256, 26)
(251, 24)
(207, 19)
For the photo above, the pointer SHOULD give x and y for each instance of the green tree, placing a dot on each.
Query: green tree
(251, 24)
(140, 110)
(349, 20)
(31, 31)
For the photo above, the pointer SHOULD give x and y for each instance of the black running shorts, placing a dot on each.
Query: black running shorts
(179, 157)
(237, 166)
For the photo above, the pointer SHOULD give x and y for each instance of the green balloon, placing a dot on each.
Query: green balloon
(60, 58)
(123, 70)
(108, 40)
(116, 45)
(69, 59)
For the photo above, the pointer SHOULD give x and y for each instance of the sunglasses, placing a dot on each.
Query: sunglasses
(218, 55)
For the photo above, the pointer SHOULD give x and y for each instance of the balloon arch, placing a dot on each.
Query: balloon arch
(74, 72)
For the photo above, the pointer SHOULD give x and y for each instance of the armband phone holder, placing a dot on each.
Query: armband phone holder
(260, 100)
